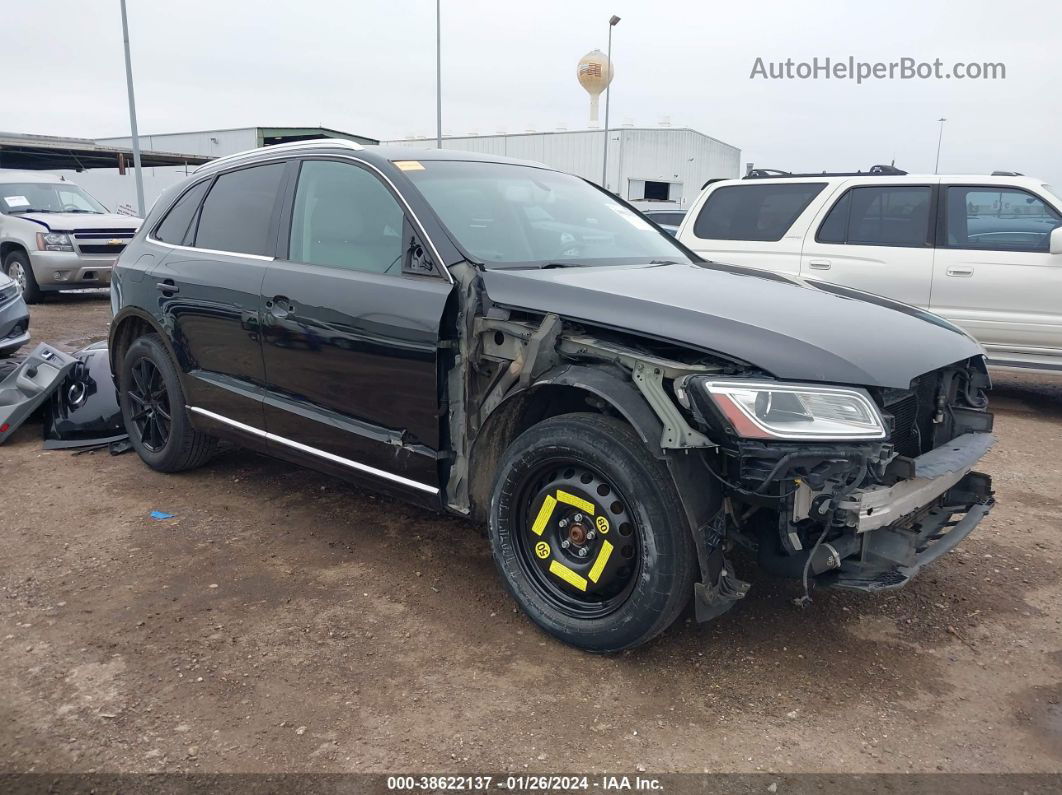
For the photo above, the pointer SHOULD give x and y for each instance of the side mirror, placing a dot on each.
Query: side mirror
(1056, 240)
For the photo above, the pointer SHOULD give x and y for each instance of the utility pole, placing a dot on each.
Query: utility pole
(132, 115)
(940, 137)
(608, 93)
(438, 74)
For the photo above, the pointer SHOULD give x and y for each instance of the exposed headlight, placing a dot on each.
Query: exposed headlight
(768, 410)
(54, 241)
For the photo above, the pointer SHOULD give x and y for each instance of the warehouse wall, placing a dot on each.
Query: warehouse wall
(666, 154)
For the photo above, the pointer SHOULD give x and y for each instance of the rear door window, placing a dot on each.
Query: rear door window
(237, 212)
(176, 227)
(998, 219)
(754, 212)
(886, 215)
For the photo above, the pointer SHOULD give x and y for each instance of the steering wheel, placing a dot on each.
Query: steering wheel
(71, 208)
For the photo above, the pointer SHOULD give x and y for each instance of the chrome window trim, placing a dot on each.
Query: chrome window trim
(305, 448)
(211, 250)
(291, 146)
(318, 156)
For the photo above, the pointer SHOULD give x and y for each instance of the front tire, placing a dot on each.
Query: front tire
(154, 410)
(589, 534)
(17, 266)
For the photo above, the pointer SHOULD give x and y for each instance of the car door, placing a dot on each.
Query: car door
(759, 224)
(877, 238)
(209, 287)
(351, 333)
(994, 274)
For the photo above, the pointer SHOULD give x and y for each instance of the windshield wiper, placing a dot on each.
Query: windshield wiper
(662, 262)
(21, 210)
(90, 212)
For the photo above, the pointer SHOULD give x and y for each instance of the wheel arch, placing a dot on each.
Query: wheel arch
(128, 325)
(563, 390)
(10, 247)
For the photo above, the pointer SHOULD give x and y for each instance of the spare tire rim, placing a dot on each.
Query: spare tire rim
(576, 539)
(149, 404)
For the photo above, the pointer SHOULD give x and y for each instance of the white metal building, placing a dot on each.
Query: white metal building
(647, 166)
(119, 190)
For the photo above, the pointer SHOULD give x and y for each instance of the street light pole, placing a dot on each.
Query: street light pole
(438, 74)
(608, 93)
(132, 115)
(940, 137)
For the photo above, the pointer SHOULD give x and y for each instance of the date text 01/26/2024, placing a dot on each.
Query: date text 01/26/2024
(524, 783)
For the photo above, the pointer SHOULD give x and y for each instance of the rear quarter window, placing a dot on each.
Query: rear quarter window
(754, 212)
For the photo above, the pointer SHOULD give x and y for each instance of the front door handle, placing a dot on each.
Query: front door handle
(819, 264)
(960, 270)
(167, 286)
(279, 306)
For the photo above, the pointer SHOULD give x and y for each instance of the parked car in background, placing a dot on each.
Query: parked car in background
(668, 220)
(14, 317)
(511, 343)
(985, 252)
(55, 236)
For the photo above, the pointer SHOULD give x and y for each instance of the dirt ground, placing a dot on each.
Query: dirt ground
(286, 621)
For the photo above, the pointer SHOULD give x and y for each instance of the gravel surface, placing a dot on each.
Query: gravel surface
(287, 621)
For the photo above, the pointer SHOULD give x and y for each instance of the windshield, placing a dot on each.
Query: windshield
(519, 216)
(46, 197)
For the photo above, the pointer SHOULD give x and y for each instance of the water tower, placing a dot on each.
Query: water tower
(595, 73)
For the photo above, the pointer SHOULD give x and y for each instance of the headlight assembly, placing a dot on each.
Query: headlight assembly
(54, 241)
(769, 410)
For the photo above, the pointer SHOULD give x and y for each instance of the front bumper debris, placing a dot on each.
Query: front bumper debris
(934, 473)
(890, 556)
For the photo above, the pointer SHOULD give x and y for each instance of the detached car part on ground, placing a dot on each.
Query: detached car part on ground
(75, 392)
(510, 343)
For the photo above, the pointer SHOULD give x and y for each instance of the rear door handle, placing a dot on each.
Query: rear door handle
(960, 270)
(819, 264)
(167, 286)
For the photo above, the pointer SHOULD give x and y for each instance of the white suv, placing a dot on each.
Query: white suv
(982, 251)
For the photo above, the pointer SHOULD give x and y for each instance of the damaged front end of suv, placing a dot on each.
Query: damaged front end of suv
(833, 482)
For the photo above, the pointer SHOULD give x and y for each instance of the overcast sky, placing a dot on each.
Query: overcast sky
(368, 66)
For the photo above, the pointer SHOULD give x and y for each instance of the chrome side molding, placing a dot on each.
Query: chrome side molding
(305, 448)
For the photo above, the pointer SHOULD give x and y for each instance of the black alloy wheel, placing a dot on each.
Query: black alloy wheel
(150, 405)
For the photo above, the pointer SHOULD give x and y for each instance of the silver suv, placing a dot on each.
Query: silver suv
(55, 236)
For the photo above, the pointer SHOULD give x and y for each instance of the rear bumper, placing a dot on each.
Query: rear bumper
(64, 270)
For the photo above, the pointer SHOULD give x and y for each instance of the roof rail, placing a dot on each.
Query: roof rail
(312, 143)
(873, 171)
(1007, 174)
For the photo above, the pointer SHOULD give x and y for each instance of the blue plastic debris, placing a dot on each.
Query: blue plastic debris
(161, 515)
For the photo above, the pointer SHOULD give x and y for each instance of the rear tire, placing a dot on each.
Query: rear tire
(566, 488)
(17, 266)
(154, 410)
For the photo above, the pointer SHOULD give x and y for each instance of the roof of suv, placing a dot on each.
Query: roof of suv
(379, 155)
(887, 179)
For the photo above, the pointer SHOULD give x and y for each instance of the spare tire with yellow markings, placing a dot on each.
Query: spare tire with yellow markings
(589, 533)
